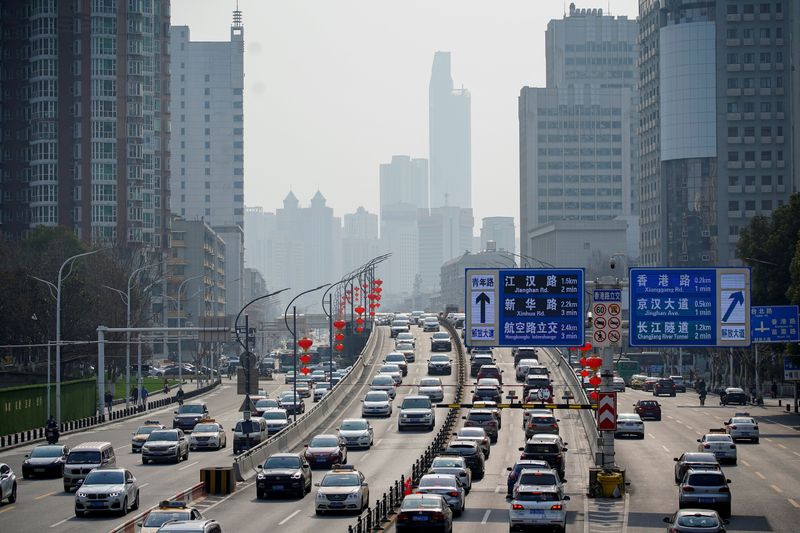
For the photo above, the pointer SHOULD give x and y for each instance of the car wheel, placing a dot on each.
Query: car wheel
(144, 462)
(124, 509)
(320, 512)
(260, 495)
(301, 492)
(673, 394)
(755, 441)
(725, 512)
(136, 502)
(66, 488)
(13, 496)
(79, 514)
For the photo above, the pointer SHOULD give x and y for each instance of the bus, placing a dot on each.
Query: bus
(625, 368)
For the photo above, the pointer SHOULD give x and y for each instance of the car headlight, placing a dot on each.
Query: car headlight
(320, 496)
(172, 447)
(262, 476)
(297, 475)
(81, 494)
(114, 494)
(352, 496)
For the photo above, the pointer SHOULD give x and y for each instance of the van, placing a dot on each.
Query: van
(249, 433)
(84, 458)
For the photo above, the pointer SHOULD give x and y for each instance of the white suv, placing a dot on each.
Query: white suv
(416, 411)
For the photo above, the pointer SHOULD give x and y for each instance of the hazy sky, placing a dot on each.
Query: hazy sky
(333, 88)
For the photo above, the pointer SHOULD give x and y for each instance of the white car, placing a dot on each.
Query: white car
(432, 388)
(742, 426)
(208, 434)
(629, 424)
(342, 489)
(8, 484)
(392, 370)
(618, 384)
(405, 338)
(454, 465)
(447, 486)
(107, 489)
(720, 444)
(407, 349)
(356, 433)
(276, 419)
(396, 358)
(534, 505)
(385, 383)
(321, 388)
(376, 403)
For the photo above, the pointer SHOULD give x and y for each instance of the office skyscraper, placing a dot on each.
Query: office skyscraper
(84, 121)
(450, 144)
(444, 233)
(719, 98)
(500, 230)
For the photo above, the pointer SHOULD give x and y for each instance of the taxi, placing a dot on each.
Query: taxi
(208, 434)
(141, 434)
(167, 511)
(742, 426)
(342, 489)
(718, 442)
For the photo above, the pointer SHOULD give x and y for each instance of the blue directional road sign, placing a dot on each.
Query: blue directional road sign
(689, 307)
(791, 369)
(524, 307)
(774, 323)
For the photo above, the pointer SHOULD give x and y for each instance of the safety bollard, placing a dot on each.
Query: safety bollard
(369, 520)
(350, 528)
(358, 526)
(385, 514)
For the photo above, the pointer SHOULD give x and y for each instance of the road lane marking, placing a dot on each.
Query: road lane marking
(665, 448)
(760, 475)
(794, 503)
(46, 495)
(188, 466)
(651, 436)
(689, 427)
(745, 463)
(498, 488)
(670, 417)
(767, 439)
(143, 485)
(698, 432)
(777, 489)
(486, 516)
(364, 457)
(797, 454)
(782, 446)
(60, 522)
(778, 423)
(289, 517)
(377, 443)
(9, 508)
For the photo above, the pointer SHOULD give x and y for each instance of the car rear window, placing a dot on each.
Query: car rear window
(543, 420)
(706, 480)
(537, 497)
(541, 448)
(480, 417)
(416, 403)
(648, 403)
(698, 521)
(538, 478)
(410, 503)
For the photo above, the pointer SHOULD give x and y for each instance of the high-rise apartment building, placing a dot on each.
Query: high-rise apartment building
(84, 114)
(359, 239)
(450, 142)
(719, 97)
(578, 147)
(444, 233)
(258, 242)
(500, 230)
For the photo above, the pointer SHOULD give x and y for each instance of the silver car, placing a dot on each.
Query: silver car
(432, 388)
(534, 505)
(742, 426)
(376, 403)
(107, 489)
(479, 436)
(454, 465)
(447, 486)
(8, 484)
(720, 444)
(629, 424)
(707, 489)
(356, 433)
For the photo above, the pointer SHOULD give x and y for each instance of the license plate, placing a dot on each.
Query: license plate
(536, 512)
(336, 504)
(95, 504)
(321, 460)
(419, 518)
(277, 487)
(38, 469)
(745, 432)
(705, 500)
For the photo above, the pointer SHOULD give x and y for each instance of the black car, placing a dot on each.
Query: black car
(440, 341)
(546, 448)
(664, 387)
(477, 362)
(472, 454)
(733, 395)
(284, 473)
(45, 460)
(487, 394)
(424, 512)
(524, 353)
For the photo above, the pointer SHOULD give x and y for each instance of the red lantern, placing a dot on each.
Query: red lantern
(377, 305)
(305, 358)
(359, 320)
(593, 395)
(364, 285)
(305, 343)
(378, 290)
(372, 313)
(305, 370)
(582, 361)
(594, 362)
(378, 281)
(339, 347)
(359, 310)
(339, 324)
(359, 329)
(339, 337)
(586, 347)
(594, 381)
(584, 373)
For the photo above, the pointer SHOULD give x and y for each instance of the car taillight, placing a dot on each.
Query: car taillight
(733, 446)
(724, 489)
(492, 424)
(554, 426)
(437, 516)
(733, 427)
(687, 488)
(453, 493)
(402, 516)
(512, 476)
(706, 446)
(517, 506)
(556, 507)
(755, 427)
(673, 530)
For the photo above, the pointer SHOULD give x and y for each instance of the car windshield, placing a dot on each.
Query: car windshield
(206, 428)
(191, 409)
(471, 432)
(341, 480)
(163, 435)
(405, 346)
(706, 480)
(742, 421)
(84, 458)
(323, 442)
(415, 502)
(416, 403)
(441, 336)
(532, 379)
(246, 426)
(399, 322)
(395, 357)
(480, 417)
(391, 369)
(430, 382)
(349, 425)
(146, 430)
(260, 404)
(537, 478)
(274, 415)
(537, 497)
(282, 462)
(718, 438)
(46, 451)
(439, 358)
(484, 392)
(437, 481)
(382, 380)
(104, 477)
(159, 518)
(698, 521)
(376, 397)
(541, 448)
(461, 449)
(647, 403)
(447, 463)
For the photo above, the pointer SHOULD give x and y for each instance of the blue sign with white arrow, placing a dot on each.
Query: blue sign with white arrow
(774, 323)
(689, 307)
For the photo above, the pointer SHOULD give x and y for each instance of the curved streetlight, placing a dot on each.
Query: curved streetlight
(293, 331)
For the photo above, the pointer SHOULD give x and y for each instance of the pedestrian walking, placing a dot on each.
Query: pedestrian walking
(144, 396)
(109, 401)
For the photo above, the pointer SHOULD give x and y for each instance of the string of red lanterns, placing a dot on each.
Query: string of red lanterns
(305, 358)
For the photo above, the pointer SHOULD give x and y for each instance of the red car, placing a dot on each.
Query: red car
(647, 409)
(490, 371)
(326, 451)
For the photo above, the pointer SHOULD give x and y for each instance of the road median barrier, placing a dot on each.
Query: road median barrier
(218, 479)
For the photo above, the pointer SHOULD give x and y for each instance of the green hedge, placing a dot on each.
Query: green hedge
(23, 408)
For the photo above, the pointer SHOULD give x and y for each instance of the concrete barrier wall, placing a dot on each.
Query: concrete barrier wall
(587, 416)
(246, 465)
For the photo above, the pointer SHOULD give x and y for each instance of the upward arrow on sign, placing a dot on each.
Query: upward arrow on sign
(737, 298)
(483, 299)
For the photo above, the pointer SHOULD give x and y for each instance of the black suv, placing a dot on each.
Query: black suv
(665, 387)
(284, 473)
(472, 454)
(441, 341)
(477, 362)
(548, 448)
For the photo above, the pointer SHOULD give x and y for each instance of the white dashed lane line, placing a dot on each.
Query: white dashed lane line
(289, 517)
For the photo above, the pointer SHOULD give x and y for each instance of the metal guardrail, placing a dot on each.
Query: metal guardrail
(245, 466)
(578, 392)
(375, 517)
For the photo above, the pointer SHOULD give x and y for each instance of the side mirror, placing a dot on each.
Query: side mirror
(305, 445)
(316, 484)
(139, 524)
(726, 423)
(726, 521)
(27, 456)
(698, 440)
(565, 498)
(463, 418)
(509, 469)
(176, 412)
(564, 450)
(675, 459)
(666, 520)
(365, 484)
(728, 481)
(522, 449)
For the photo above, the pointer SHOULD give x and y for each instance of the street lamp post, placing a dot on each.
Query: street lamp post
(180, 324)
(58, 323)
(293, 331)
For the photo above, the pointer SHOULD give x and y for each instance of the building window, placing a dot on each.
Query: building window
(749, 156)
(750, 205)
(766, 131)
(733, 156)
(766, 180)
(733, 181)
(747, 33)
(733, 205)
(764, 33)
(765, 107)
(749, 9)
(732, 33)
(733, 83)
(733, 59)
(208, 172)
(763, 8)
(766, 205)
(733, 131)
(766, 155)
(208, 185)
(750, 131)
(208, 198)
(749, 181)
(765, 57)
(733, 9)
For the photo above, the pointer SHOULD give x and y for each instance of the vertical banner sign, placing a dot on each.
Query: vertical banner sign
(607, 411)
(606, 317)
(524, 307)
